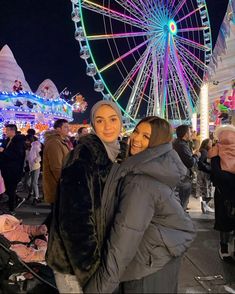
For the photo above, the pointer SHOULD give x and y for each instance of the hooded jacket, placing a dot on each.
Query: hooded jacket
(150, 226)
(54, 153)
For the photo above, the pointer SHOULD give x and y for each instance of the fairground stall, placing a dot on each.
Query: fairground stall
(221, 73)
(20, 106)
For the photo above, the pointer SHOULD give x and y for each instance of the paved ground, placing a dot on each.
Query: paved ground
(202, 271)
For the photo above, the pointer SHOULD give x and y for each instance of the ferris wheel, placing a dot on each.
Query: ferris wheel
(150, 56)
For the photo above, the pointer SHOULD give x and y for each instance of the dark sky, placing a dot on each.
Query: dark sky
(40, 34)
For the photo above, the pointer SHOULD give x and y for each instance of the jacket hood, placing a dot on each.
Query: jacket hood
(161, 163)
(51, 134)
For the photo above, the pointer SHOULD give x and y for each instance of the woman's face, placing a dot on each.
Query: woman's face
(107, 124)
(139, 140)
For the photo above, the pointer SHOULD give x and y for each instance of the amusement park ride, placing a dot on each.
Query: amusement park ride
(20, 106)
(154, 53)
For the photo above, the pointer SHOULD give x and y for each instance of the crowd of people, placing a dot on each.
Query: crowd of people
(119, 217)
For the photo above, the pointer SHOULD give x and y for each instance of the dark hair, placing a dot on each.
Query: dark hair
(30, 138)
(182, 130)
(12, 127)
(80, 130)
(161, 130)
(59, 123)
(31, 132)
(204, 144)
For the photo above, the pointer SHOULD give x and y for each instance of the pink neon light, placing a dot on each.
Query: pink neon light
(192, 29)
(113, 11)
(193, 42)
(178, 9)
(131, 78)
(186, 16)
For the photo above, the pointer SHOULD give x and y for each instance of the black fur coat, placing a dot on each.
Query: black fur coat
(76, 233)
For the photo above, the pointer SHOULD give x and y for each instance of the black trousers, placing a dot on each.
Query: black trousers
(11, 180)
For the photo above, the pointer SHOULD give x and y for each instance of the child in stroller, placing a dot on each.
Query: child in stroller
(22, 258)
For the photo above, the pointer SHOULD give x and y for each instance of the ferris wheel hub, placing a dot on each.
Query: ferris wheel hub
(172, 27)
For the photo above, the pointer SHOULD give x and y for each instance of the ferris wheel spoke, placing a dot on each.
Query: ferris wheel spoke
(105, 11)
(132, 8)
(189, 77)
(123, 56)
(156, 100)
(203, 28)
(178, 8)
(191, 57)
(129, 78)
(142, 5)
(191, 73)
(179, 68)
(165, 74)
(188, 67)
(191, 43)
(188, 15)
(141, 89)
(131, 106)
(117, 36)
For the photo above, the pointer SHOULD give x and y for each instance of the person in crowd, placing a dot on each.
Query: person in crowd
(82, 131)
(204, 184)
(32, 132)
(150, 231)
(12, 154)
(54, 153)
(26, 180)
(223, 176)
(34, 167)
(75, 242)
(190, 159)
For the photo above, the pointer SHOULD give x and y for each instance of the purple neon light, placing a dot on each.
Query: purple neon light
(131, 77)
(192, 42)
(113, 11)
(189, 14)
(178, 8)
(192, 29)
(136, 7)
(193, 70)
(181, 74)
(189, 52)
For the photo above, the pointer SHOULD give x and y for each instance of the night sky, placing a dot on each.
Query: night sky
(40, 34)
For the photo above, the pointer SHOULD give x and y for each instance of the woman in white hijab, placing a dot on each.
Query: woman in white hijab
(77, 230)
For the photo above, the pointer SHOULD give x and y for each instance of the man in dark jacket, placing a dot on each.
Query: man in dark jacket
(181, 146)
(12, 154)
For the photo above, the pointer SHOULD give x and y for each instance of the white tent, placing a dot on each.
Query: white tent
(222, 65)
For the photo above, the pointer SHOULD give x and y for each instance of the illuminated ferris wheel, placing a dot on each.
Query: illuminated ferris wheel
(149, 56)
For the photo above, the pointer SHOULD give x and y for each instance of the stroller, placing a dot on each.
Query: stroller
(17, 276)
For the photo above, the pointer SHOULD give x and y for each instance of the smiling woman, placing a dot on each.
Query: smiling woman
(150, 231)
(74, 247)
(150, 132)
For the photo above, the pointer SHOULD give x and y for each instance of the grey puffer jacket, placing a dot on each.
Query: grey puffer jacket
(150, 226)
